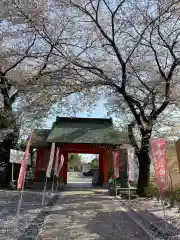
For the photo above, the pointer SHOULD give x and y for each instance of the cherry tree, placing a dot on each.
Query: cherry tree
(128, 49)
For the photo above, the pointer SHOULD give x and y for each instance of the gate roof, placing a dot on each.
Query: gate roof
(81, 130)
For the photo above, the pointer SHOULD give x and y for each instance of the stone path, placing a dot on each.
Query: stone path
(70, 215)
(88, 216)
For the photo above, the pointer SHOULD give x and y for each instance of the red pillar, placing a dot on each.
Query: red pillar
(37, 164)
(101, 168)
(65, 169)
(62, 169)
(105, 163)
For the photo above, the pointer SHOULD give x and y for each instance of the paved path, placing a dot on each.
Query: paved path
(88, 216)
(78, 177)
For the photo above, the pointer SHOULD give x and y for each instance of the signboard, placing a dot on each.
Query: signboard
(17, 157)
(116, 164)
(159, 157)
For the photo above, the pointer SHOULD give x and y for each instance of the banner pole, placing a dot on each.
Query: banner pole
(20, 204)
(12, 174)
(44, 192)
(115, 186)
(129, 192)
(53, 184)
(21, 178)
(57, 184)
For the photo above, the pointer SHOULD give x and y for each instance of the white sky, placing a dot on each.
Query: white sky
(87, 157)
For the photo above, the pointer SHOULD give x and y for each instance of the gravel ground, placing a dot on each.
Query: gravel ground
(31, 208)
(88, 217)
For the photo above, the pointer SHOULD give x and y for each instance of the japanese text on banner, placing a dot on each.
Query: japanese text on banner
(160, 164)
(116, 164)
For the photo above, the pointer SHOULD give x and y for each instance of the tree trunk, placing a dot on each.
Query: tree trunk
(8, 129)
(144, 174)
(144, 164)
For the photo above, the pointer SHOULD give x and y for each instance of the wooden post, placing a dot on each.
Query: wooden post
(105, 163)
(65, 168)
(37, 164)
(100, 168)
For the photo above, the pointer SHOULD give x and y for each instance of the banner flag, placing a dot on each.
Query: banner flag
(22, 172)
(116, 164)
(131, 164)
(51, 160)
(160, 165)
(60, 165)
(56, 163)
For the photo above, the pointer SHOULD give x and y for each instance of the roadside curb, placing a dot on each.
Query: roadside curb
(149, 233)
(156, 229)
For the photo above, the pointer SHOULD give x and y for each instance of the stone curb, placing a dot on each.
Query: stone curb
(156, 229)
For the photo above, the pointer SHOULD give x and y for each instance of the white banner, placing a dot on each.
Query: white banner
(60, 165)
(57, 161)
(51, 159)
(17, 156)
(131, 164)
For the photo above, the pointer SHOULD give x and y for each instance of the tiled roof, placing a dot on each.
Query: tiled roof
(85, 130)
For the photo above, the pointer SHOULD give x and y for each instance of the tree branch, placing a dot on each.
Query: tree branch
(22, 58)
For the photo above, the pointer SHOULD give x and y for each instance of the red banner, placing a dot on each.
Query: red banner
(116, 164)
(22, 172)
(160, 164)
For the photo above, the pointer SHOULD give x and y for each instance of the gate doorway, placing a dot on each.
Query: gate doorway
(82, 170)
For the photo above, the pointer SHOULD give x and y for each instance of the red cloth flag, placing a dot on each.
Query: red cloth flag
(57, 161)
(51, 160)
(116, 164)
(159, 157)
(22, 172)
(60, 165)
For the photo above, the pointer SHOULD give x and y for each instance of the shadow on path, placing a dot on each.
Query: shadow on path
(32, 230)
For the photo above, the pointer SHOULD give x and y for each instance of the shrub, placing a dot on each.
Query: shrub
(152, 191)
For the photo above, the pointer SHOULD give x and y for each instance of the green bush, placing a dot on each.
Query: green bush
(152, 191)
(170, 196)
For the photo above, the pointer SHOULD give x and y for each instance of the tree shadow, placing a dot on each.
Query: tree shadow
(85, 217)
(32, 230)
(31, 205)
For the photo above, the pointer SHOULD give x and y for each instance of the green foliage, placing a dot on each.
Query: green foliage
(74, 162)
(170, 196)
(22, 146)
(152, 191)
(94, 163)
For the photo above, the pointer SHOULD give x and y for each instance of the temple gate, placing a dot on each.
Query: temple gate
(77, 135)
